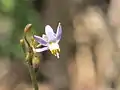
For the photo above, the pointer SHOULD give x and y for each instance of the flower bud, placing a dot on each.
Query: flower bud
(23, 44)
(36, 62)
(27, 28)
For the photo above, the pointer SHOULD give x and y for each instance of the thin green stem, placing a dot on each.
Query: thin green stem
(33, 77)
(28, 58)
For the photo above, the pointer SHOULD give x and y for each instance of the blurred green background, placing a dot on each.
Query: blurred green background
(14, 16)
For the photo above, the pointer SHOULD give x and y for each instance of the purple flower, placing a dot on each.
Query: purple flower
(50, 40)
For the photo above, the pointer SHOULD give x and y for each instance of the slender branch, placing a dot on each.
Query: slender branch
(29, 57)
(33, 77)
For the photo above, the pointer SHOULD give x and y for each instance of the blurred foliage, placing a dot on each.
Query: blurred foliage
(7, 6)
(22, 13)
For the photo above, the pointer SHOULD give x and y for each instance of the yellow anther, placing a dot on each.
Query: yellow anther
(52, 51)
(55, 51)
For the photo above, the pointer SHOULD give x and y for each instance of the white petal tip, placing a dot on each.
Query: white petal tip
(35, 36)
(47, 26)
(57, 55)
(59, 23)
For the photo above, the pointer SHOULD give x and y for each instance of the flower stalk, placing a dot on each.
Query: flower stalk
(33, 77)
(29, 56)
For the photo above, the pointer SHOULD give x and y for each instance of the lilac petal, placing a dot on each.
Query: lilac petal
(45, 37)
(41, 49)
(40, 40)
(59, 32)
(49, 32)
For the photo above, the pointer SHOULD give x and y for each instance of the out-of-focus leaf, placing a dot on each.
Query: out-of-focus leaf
(7, 5)
(35, 19)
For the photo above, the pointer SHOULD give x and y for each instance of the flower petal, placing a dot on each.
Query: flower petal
(59, 32)
(40, 40)
(45, 37)
(41, 49)
(49, 32)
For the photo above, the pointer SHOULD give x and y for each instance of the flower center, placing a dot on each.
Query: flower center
(54, 48)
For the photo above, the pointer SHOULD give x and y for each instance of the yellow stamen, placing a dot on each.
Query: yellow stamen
(54, 48)
(55, 52)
